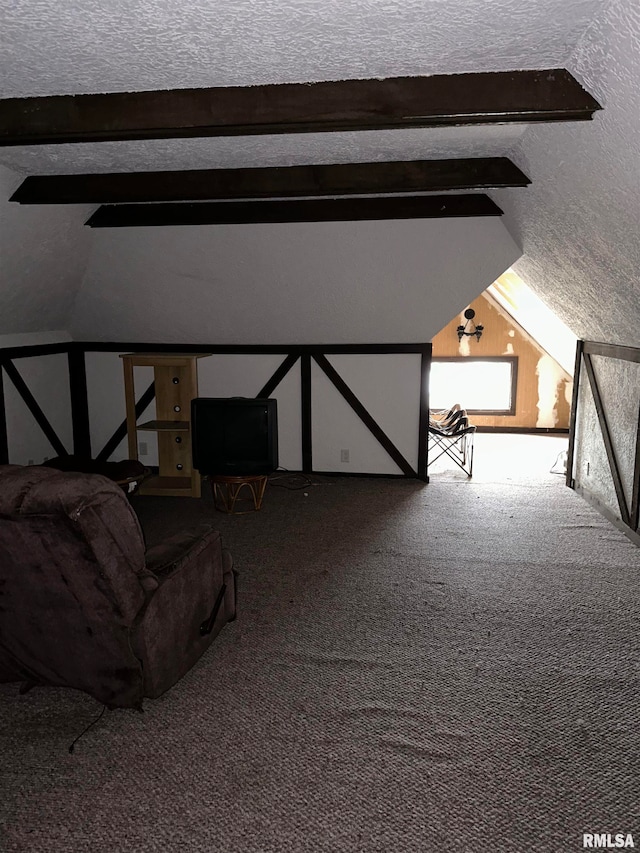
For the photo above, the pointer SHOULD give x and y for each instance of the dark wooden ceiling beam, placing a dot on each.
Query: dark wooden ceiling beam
(302, 210)
(285, 182)
(396, 102)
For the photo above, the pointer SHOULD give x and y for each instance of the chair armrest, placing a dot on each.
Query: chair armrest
(169, 555)
(191, 570)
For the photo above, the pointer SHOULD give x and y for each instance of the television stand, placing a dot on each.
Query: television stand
(226, 492)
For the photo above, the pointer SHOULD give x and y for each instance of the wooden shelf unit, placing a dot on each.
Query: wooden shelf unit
(176, 384)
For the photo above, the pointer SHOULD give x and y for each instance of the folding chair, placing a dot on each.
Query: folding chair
(452, 436)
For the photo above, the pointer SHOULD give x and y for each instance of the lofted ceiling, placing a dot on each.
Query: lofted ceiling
(76, 47)
(583, 198)
(79, 46)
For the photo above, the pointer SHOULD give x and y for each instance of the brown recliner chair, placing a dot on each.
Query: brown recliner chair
(81, 603)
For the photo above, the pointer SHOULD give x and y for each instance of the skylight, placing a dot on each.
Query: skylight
(527, 309)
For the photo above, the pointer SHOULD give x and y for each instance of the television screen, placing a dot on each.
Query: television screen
(234, 436)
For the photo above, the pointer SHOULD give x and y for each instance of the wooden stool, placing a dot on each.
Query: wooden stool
(226, 492)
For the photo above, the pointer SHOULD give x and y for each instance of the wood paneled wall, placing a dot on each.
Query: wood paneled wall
(544, 388)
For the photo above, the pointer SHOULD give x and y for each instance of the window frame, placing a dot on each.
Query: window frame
(511, 359)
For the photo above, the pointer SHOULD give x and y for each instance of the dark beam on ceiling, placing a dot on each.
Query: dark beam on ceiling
(395, 102)
(284, 182)
(303, 210)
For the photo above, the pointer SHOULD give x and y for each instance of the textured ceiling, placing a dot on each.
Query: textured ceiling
(74, 46)
(247, 151)
(577, 223)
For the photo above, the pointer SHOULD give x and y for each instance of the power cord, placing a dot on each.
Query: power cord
(91, 724)
(290, 476)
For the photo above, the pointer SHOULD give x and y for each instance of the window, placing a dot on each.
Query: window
(482, 386)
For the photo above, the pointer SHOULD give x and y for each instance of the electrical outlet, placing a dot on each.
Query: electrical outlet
(30, 462)
(144, 448)
(344, 455)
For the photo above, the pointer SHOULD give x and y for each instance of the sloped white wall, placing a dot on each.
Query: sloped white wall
(329, 282)
(43, 252)
(306, 283)
(578, 221)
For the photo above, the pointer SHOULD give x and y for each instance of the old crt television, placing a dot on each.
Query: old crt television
(234, 436)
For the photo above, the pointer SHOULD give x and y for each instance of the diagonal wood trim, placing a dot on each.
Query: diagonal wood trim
(121, 431)
(635, 501)
(290, 182)
(4, 441)
(606, 434)
(305, 413)
(31, 403)
(299, 210)
(364, 415)
(278, 376)
(346, 105)
(574, 413)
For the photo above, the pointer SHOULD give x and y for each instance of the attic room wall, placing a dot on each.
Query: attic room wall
(543, 394)
(307, 283)
(218, 376)
(385, 384)
(578, 221)
(44, 252)
(618, 384)
(47, 377)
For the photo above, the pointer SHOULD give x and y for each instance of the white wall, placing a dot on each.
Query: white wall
(106, 403)
(47, 377)
(328, 282)
(389, 388)
(244, 376)
(308, 283)
(387, 385)
(43, 252)
(28, 339)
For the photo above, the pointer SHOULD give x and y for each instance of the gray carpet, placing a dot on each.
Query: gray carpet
(414, 668)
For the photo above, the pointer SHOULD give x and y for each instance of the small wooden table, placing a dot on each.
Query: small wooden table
(226, 492)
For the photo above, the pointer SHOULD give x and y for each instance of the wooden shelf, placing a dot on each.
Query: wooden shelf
(164, 426)
(176, 486)
(172, 359)
(175, 385)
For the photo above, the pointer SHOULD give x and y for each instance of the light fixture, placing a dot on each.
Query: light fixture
(477, 329)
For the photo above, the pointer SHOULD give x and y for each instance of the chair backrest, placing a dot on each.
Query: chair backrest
(72, 580)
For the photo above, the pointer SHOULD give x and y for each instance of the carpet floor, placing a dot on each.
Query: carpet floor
(413, 668)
